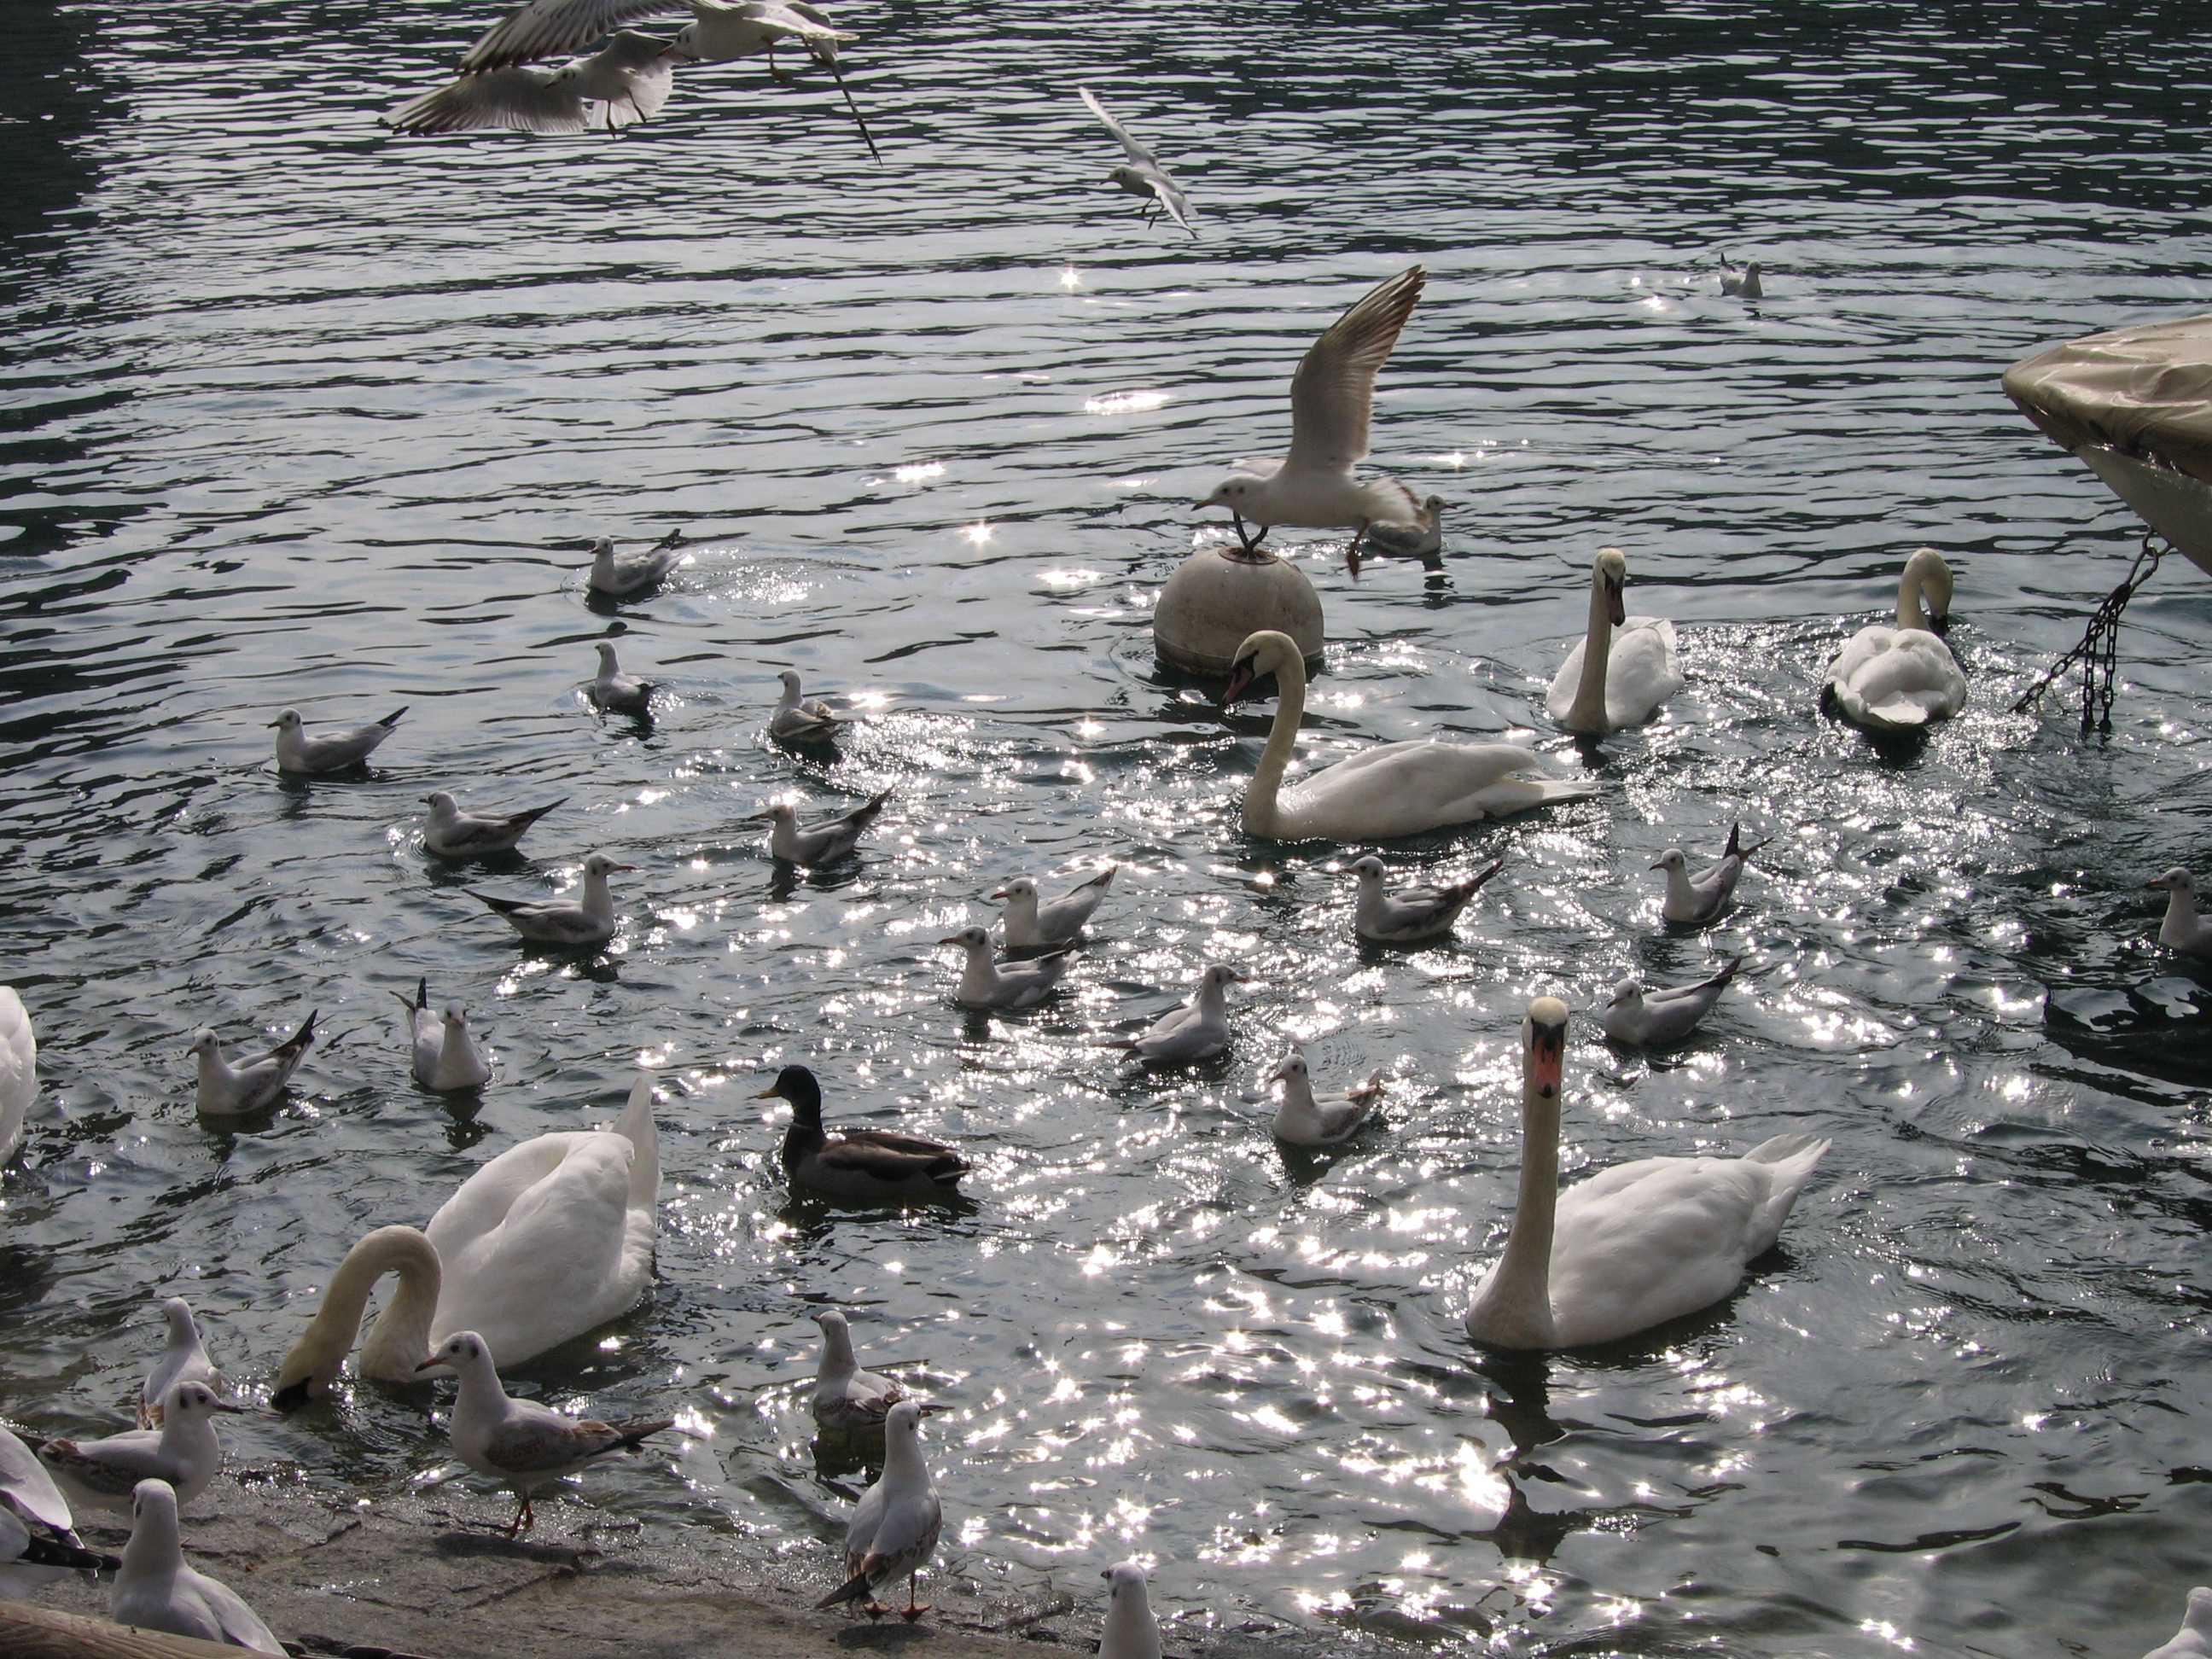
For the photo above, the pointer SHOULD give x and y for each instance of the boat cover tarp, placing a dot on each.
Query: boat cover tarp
(2145, 391)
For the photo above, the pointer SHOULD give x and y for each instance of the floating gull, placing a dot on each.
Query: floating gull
(184, 1359)
(1144, 176)
(18, 1070)
(2183, 928)
(1423, 540)
(823, 842)
(1902, 677)
(453, 832)
(796, 721)
(847, 1398)
(38, 1538)
(1032, 925)
(626, 80)
(1699, 898)
(1652, 1019)
(986, 984)
(1408, 916)
(1741, 282)
(2194, 1639)
(442, 1051)
(299, 750)
(1198, 1030)
(227, 1091)
(894, 1526)
(155, 1588)
(183, 1451)
(1332, 396)
(861, 1166)
(1305, 1119)
(620, 575)
(1131, 1631)
(616, 691)
(589, 919)
(519, 1443)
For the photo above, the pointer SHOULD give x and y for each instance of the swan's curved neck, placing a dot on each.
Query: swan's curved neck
(1516, 1309)
(401, 1337)
(1908, 611)
(1586, 713)
(1260, 813)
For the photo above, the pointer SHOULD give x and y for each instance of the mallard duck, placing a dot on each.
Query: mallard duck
(863, 1166)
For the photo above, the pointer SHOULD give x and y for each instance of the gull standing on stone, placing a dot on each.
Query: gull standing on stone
(1332, 396)
(587, 921)
(1144, 176)
(1033, 925)
(452, 833)
(894, 1526)
(823, 842)
(626, 80)
(1409, 914)
(154, 1587)
(1305, 1119)
(183, 1451)
(1198, 1030)
(617, 692)
(331, 749)
(227, 1090)
(1652, 1019)
(1131, 1631)
(38, 1537)
(2183, 928)
(184, 1359)
(847, 1398)
(1699, 898)
(617, 576)
(520, 1442)
(797, 721)
(986, 984)
(443, 1050)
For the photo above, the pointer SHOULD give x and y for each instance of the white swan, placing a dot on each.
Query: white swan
(18, 1070)
(550, 1239)
(1392, 789)
(1610, 680)
(1633, 1246)
(1894, 678)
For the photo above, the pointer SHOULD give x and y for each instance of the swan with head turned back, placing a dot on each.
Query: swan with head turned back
(18, 1070)
(1896, 678)
(1633, 1246)
(550, 1239)
(1624, 670)
(1392, 789)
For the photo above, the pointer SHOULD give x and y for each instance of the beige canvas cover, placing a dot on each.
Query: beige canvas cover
(2146, 390)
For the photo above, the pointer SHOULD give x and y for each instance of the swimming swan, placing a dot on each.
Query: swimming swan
(548, 1240)
(1610, 680)
(18, 1070)
(1895, 678)
(1392, 789)
(1632, 1246)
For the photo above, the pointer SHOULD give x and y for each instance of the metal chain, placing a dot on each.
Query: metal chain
(2098, 656)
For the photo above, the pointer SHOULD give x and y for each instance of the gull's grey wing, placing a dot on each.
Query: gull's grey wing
(27, 1488)
(519, 99)
(1164, 187)
(546, 29)
(1332, 394)
(527, 1445)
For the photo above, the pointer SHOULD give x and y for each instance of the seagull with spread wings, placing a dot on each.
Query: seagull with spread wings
(1332, 397)
(1144, 176)
(625, 82)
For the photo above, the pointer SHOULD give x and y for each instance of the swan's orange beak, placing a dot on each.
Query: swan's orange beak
(1548, 1047)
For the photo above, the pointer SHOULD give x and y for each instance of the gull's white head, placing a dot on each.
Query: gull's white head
(790, 678)
(441, 804)
(1126, 1583)
(455, 1015)
(205, 1045)
(1233, 492)
(1294, 1067)
(2176, 880)
(1369, 870)
(1220, 974)
(1021, 887)
(1630, 990)
(781, 811)
(1671, 860)
(600, 865)
(186, 1401)
(287, 721)
(970, 939)
(460, 1351)
(179, 1314)
(607, 663)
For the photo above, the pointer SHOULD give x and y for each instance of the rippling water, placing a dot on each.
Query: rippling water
(299, 414)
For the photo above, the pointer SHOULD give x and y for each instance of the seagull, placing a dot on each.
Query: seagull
(986, 984)
(2183, 928)
(1423, 540)
(299, 750)
(2194, 1639)
(1144, 176)
(1741, 282)
(444, 1056)
(1411, 914)
(1331, 397)
(1699, 898)
(823, 842)
(183, 1451)
(719, 33)
(38, 1536)
(183, 1360)
(620, 575)
(1198, 1030)
(847, 1398)
(588, 920)
(1032, 926)
(227, 1091)
(626, 80)
(796, 721)
(155, 1588)
(616, 691)
(1307, 1119)
(1652, 1019)
(520, 1442)
(895, 1525)
(453, 832)
(1131, 1631)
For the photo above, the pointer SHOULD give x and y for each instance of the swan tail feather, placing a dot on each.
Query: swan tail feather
(1792, 1158)
(1565, 788)
(1786, 1149)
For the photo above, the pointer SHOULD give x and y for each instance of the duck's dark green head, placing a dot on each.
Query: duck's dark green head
(796, 1085)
